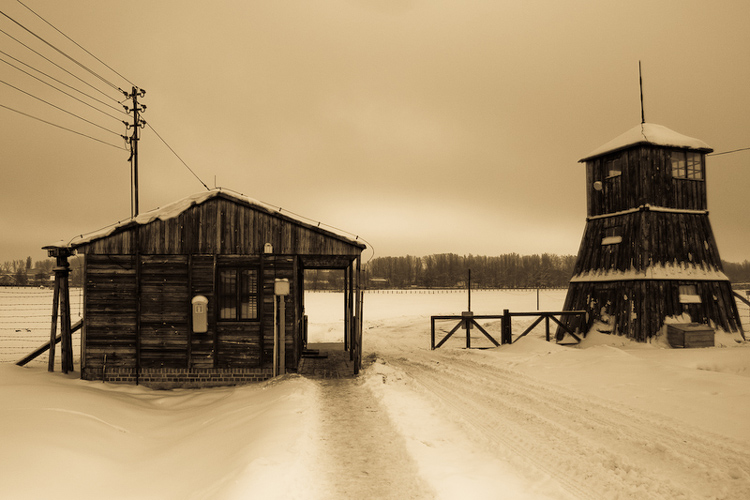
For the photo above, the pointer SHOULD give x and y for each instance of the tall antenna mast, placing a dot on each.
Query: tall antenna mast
(640, 80)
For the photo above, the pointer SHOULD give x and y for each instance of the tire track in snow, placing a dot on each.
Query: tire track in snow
(594, 448)
(362, 456)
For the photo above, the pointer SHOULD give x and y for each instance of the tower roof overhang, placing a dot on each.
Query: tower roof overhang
(649, 133)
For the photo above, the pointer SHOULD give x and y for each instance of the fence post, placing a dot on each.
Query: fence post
(506, 335)
(432, 336)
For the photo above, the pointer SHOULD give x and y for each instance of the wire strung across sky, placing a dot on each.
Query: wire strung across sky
(78, 65)
(63, 128)
(727, 152)
(116, 108)
(61, 109)
(60, 90)
(77, 44)
(76, 61)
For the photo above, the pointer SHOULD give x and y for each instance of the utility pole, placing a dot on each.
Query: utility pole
(138, 123)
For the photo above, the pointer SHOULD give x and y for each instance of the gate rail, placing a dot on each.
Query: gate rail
(467, 321)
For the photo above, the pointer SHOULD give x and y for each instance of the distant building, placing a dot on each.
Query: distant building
(378, 283)
(648, 252)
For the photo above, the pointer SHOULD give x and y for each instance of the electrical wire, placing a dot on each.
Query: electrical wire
(178, 156)
(58, 66)
(77, 44)
(63, 128)
(116, 108)
(727, 152)
(80, 64)
(61, 109)
(60, 90)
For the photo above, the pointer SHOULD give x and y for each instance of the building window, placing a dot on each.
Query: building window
(688, 295)
(686, 164)
(612, 235)
(238, 294)
(612, 167)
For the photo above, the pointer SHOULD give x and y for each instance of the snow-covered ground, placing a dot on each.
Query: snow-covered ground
(607, 419)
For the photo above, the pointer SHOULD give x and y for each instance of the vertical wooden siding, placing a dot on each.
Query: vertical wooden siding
(178, 259)
(223, 227)
(646, 179)
(648, 238)
(637, 309)
(165, 309)
(110, 311)
(202, 283)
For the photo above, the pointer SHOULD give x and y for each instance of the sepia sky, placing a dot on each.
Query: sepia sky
(422, 126)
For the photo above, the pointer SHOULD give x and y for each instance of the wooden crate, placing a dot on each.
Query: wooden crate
(690, 335)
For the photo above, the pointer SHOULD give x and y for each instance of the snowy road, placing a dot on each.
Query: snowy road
(559, 442)
(361, 455)
(592, 448)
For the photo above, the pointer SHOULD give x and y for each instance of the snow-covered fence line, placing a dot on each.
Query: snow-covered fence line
(25, 321)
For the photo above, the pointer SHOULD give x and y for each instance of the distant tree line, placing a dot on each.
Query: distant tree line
(737, 272)
(451, 271)
(40, 273)
(503, 271)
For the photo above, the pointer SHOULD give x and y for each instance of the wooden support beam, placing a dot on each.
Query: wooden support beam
(533, 325)
(485, 333)
(44, 347)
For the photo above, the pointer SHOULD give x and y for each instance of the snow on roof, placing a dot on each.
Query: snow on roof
(669, 271)
(176, 208)
(649, 133)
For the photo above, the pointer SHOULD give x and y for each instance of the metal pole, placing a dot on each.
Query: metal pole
(275, 340)
(282, 335)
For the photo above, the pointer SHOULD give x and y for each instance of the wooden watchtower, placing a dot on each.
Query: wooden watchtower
(648, 252)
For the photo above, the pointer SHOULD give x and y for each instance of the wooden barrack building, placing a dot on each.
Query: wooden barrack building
(648, 252)
(189, 295)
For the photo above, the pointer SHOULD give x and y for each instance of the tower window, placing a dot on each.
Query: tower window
(612, 167)
(688, 295)
(686, 164)
(612, 235)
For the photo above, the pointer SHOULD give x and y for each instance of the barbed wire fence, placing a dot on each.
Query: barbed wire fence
(25, 322)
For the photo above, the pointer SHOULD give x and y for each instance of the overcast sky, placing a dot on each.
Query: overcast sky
(422, 126)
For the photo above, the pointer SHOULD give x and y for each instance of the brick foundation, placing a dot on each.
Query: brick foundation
(171, 378)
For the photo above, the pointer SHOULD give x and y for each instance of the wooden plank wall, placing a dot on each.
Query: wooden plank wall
(646, 178)
(168, 283)
(223, 227)
(110, 311)
(239, 344)
(278, 266)
(638, 308)
(202, 283)
(648, 238)
(165, 308)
